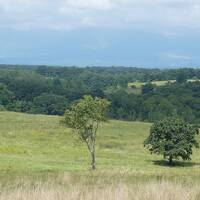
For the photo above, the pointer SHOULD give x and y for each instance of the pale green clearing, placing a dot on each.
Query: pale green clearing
(138, 84)
(157, 83)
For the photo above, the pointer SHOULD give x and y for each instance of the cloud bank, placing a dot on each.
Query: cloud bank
(167, 15)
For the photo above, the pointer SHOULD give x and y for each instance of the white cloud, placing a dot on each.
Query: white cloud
(178, 56)
(165, 16)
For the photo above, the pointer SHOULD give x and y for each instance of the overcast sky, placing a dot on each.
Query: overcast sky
(161, 33)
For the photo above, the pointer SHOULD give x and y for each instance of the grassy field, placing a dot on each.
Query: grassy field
(40, 159)
(157, 83)
(136, 87)
(138, 84)
(38, 143)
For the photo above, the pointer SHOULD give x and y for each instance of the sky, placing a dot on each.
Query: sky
(139, 33)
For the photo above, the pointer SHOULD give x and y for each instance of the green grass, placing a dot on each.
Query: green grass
(157, 83)
(161, 83)
(38, 143)
(138, 84)
(136, 87)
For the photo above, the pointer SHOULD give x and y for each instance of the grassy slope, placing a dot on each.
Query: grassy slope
(37, 143)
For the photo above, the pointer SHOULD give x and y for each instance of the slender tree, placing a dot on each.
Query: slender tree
(84, 118)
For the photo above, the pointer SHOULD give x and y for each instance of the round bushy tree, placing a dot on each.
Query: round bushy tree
(173, 138)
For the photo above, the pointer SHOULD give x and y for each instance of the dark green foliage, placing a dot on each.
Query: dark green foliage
(158, 107)
(22, 89)
(147, 88)
(181, 100)
(123, 105)
(25, 84)
(50, 104)
(20, 106)
(181, 77)
(173, 138)
(6, 96)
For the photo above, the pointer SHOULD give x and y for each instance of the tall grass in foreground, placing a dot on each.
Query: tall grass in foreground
(65, 188)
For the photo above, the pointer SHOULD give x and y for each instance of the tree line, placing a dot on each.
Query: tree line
(50, 90)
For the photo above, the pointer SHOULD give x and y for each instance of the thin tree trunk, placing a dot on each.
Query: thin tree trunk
(170, 160)
(93, 164)
(91, 144)
(94, 151)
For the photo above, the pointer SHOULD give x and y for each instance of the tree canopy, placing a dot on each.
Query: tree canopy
(45, 89)
(173, 138)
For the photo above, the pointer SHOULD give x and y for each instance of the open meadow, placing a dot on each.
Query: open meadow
(41, 159)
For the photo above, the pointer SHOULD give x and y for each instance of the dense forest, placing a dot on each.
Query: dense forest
(50, 90)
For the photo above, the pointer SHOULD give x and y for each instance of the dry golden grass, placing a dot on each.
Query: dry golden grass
(65, 188)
